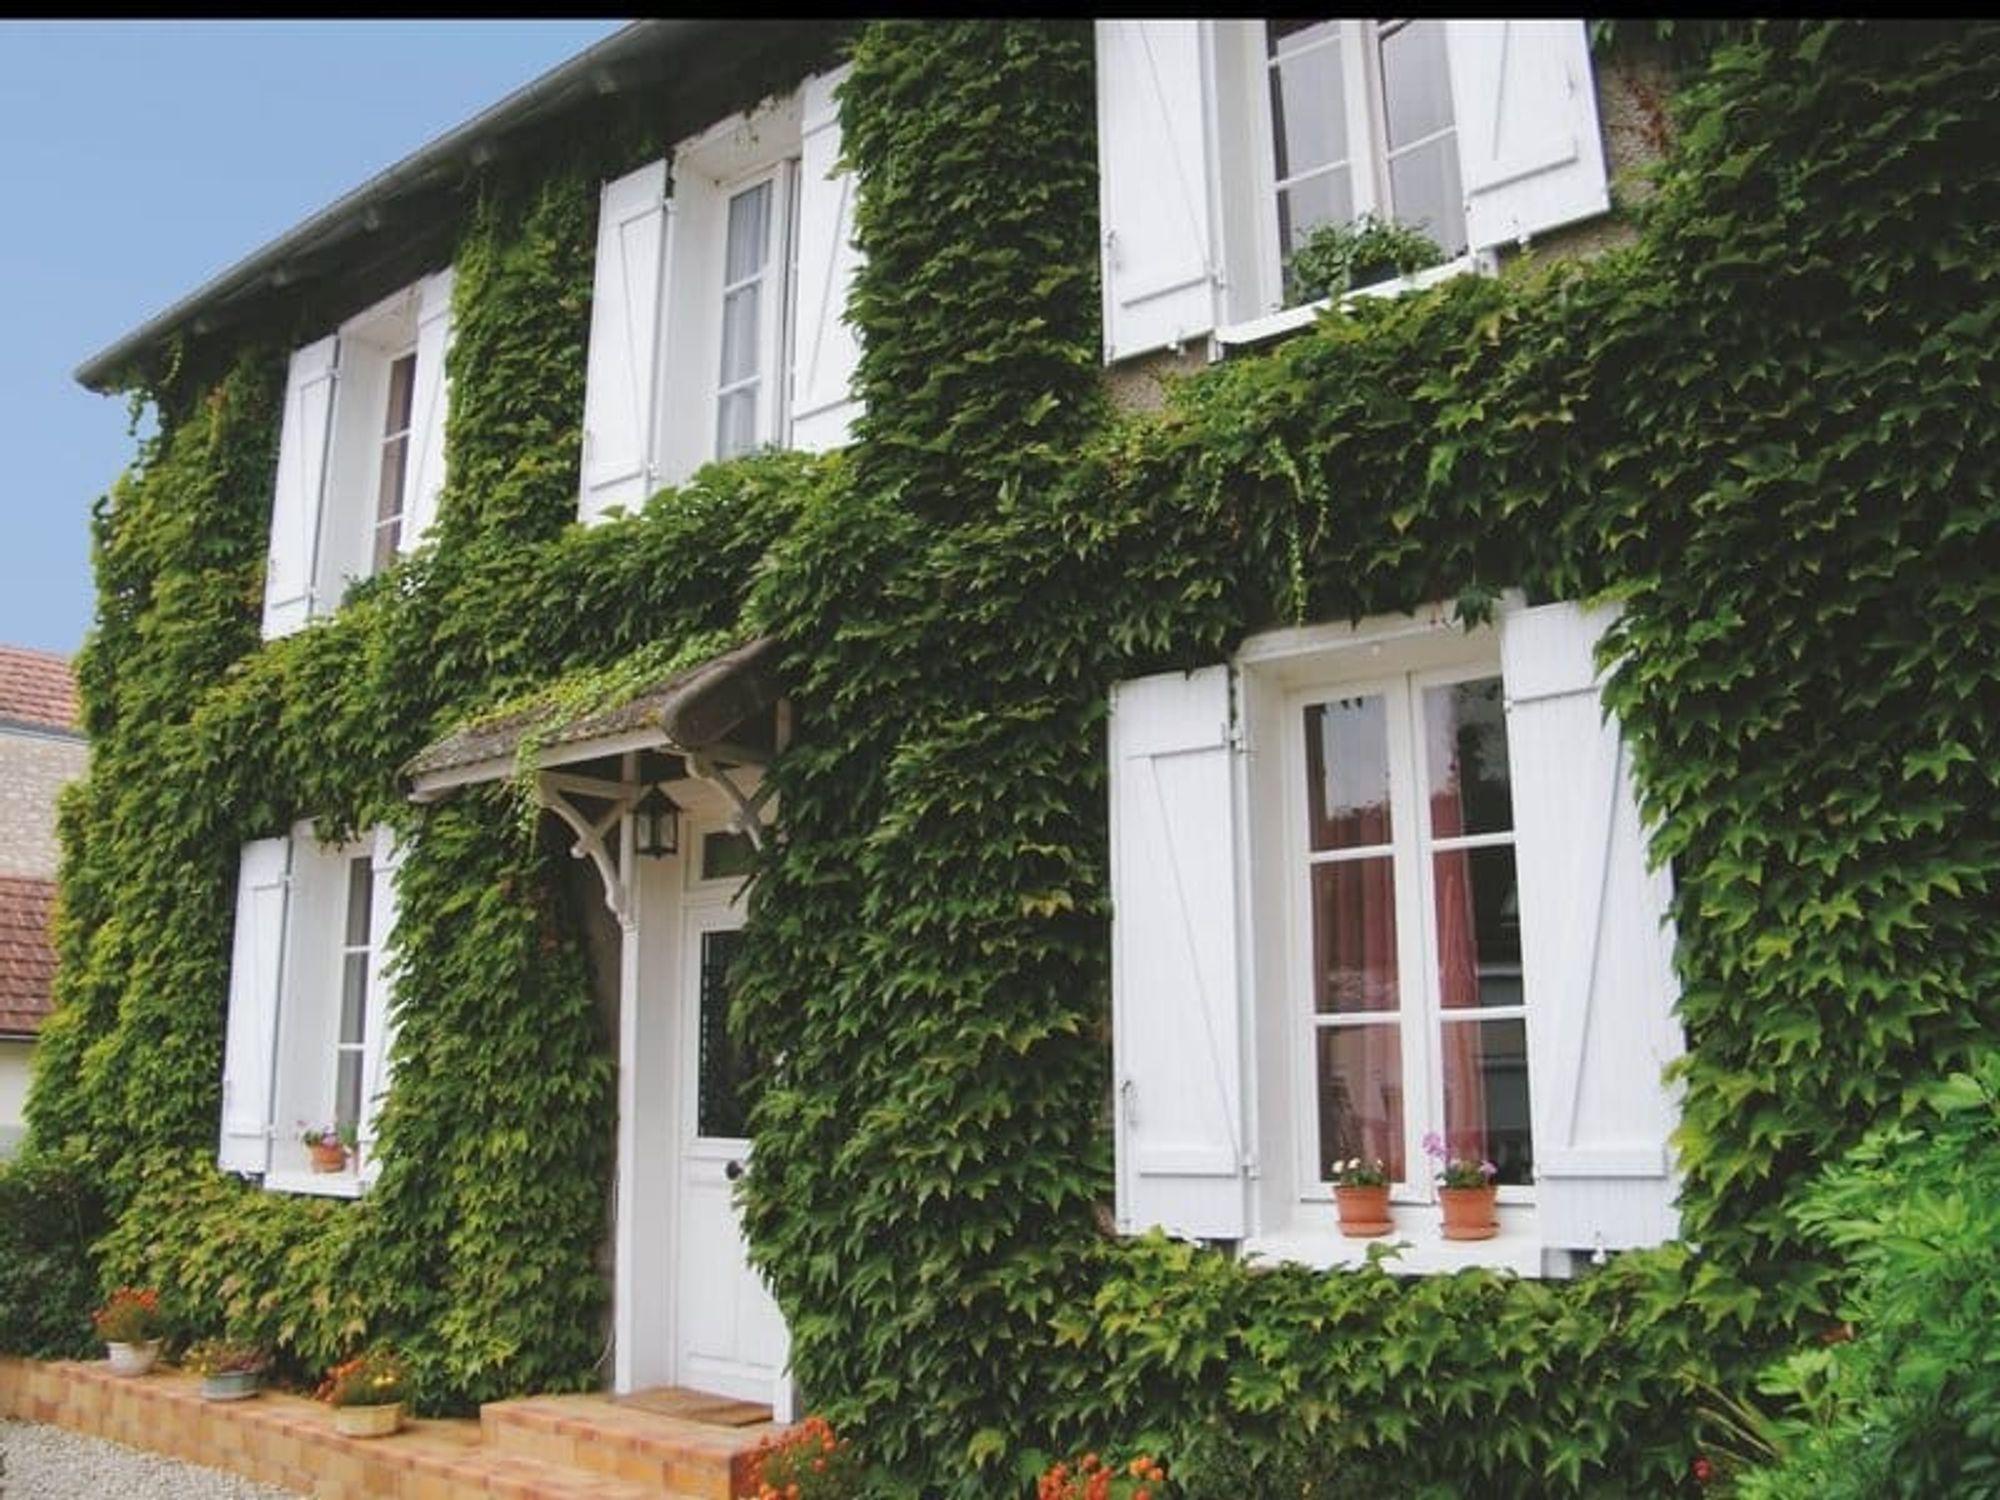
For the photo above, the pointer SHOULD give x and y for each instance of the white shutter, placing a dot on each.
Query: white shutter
(1153, 185)
(1530, 154)
(823, 405)
(1177, 1050)
(430, 402)
(1597, 955)
(295, 502)
(623, 367)
(256, 976)
(378, 1024)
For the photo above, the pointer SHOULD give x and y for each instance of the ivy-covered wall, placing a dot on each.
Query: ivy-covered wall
(1766, 427)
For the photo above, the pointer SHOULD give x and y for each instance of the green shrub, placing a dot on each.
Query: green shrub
(1909, 1404)
(50, 1211)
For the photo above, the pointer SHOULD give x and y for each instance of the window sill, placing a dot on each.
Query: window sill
(346, 1184)
(1291, 319)
(1419, 1247)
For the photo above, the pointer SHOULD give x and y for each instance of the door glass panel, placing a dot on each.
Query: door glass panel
(1359, 1080)
(1486, 1096)
(725, 1064)
(1354, 936)
(1347, 773)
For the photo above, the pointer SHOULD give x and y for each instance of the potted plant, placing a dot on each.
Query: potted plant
(129, 1323)
(329, 1144)
(366, 1394)
(229, 1369)
(1465, 1192)
(1336, 258)
(1361, 1193)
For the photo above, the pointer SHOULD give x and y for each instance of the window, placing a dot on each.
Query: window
(361, 452)
(1409, 993)
(394, 483)
(717, 321)
(1221, 143)
(309, 1027)
(1375, 882)
(1361, 122)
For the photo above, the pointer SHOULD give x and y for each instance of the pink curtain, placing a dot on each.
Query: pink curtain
(1465, 1131)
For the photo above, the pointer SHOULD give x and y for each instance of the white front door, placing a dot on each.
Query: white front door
(731, 1337)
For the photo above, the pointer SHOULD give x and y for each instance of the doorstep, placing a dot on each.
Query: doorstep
(534, 1448)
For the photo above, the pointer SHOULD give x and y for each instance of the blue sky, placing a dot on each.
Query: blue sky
(137, 160)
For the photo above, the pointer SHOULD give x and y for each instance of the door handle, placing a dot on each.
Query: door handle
(733, 1170)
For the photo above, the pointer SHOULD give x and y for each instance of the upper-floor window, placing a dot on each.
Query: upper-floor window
(1223, 143)
(360, 451)
(718, 314)
(1361, 123)
(392, 492)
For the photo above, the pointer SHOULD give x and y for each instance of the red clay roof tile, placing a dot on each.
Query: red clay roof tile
(27, 953)
(36, 687)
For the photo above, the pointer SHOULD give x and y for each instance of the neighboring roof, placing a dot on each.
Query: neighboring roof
(36, 689)
(678, 74)
(690, 710)
(27, 953)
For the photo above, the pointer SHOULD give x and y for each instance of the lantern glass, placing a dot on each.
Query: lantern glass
(657, 829)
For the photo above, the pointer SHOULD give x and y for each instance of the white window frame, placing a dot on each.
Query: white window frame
(706, 172)
(777, 312)
(1248, 79)
(1421, 1018)
(1292, 1214)
(307, 1047)
(408, 436)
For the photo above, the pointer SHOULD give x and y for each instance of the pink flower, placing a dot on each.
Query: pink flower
(1433, 1145)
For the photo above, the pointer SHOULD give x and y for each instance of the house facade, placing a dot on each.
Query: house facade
(41, 750)
(864, 762)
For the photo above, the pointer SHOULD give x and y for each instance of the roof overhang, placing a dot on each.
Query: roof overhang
(673, 76)
(705, 714)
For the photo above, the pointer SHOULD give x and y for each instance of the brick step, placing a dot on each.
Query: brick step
(689, 1460)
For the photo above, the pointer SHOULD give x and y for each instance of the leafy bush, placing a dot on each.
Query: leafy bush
(1333, 258)
(1904, 1399)
(50, 1211)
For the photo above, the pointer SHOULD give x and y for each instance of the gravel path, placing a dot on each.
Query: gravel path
(39, 1462)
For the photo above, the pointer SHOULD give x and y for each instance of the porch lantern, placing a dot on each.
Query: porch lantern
(657, 825)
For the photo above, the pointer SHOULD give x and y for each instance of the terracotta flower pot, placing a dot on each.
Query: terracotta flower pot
(368, 1421)
(1468, 1213)
(132, 1359)
(328, 1158)
(1364, 1211)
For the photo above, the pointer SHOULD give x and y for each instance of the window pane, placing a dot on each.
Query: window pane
(1308, 114)
(402, 395)
(360, 899)
(736, 423)
(1291, 33)
(1479, 928)
(1465, 744)
(347, 1090)
(1354, 936)
(749, 234)
(726, 1065)
(353, 997)
(1347, 772)
(1424, 189)
(726, 854)
(1416, 85)
(1360, 1086)
(1325, 199)
(1486, 1096)
(739, 334)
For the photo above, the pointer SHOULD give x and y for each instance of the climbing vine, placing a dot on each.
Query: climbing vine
(1765, 427)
